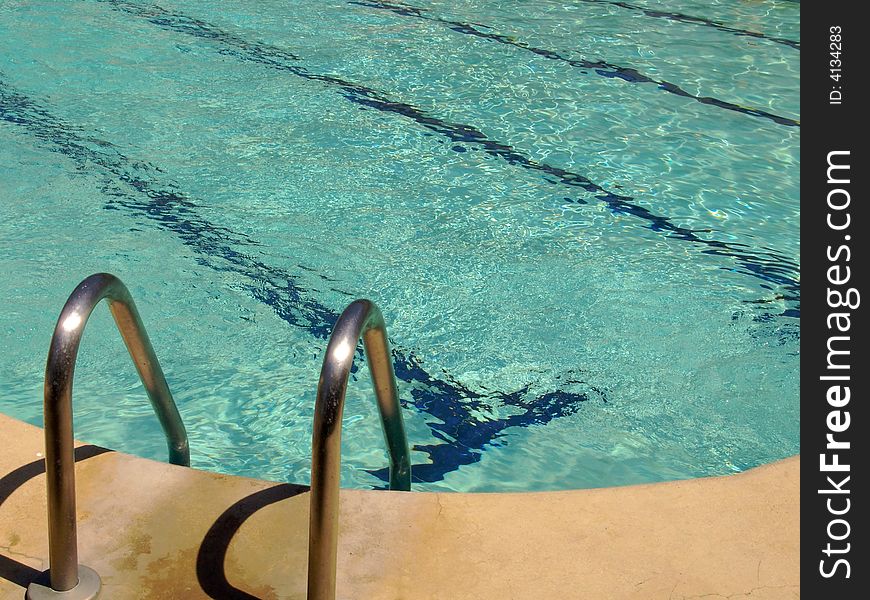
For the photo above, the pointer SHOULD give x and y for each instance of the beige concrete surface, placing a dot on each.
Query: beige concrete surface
(155, 531)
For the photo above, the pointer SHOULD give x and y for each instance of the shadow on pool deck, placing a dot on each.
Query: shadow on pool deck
(158, 531)
(11, 569)
(213, 550)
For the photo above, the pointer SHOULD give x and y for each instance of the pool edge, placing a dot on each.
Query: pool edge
(153, 530)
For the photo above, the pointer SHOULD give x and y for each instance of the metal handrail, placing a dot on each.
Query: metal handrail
(64, 569)
(361, 319)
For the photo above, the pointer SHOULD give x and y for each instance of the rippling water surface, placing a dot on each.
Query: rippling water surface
(580, 220)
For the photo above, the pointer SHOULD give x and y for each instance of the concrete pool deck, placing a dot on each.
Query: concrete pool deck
(156, 531)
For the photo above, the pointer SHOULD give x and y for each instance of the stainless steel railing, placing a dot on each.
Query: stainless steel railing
(361, 319)
(69, 580)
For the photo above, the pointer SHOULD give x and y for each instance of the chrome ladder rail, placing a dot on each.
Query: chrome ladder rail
(68, 579)
(361, 319)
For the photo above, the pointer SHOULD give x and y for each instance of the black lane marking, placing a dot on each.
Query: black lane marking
(768, 266)
(139, 188)
(602, 68)
(683, 18)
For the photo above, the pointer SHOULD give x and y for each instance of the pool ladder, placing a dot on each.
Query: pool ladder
(69, 580)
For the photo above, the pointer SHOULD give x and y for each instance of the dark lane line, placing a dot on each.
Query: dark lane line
(769, 266)
(602, 68)
(683, 18)
(140, 189)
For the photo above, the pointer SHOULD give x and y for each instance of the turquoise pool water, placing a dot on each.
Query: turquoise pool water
(580, 220)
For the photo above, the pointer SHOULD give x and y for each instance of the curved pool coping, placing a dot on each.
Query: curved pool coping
(157, 531)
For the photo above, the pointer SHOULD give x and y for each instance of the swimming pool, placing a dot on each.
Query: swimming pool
(580, 221)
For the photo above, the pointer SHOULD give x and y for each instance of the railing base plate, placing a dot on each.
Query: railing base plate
(88, 588)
